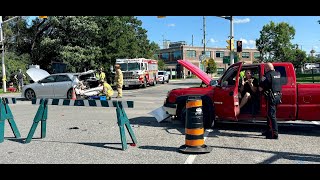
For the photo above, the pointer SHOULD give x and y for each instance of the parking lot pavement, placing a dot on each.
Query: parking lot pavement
(90, 135)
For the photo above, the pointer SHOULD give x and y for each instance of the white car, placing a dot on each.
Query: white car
(163, 76)
(50, 86)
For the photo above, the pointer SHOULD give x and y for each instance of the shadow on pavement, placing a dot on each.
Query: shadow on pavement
(160, 148)
(101, 145)
(222, 128)
(301, 158)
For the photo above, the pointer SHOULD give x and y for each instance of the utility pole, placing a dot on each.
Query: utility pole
(4, 79)
(204, 35)
(192, 41)
(230, 18)
(204, 42)
(231, 38)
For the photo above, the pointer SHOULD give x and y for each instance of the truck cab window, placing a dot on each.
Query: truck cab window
(230, 77)
(282, 71)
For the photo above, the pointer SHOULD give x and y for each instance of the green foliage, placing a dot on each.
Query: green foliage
(212, 66)
(15, 62)
(274, 42)
(82, 42)
(161, 65)
(308, 78)
(300, 58)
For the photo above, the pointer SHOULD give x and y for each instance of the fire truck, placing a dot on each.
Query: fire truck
(139, 72)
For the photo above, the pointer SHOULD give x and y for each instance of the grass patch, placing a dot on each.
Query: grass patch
(308, 78)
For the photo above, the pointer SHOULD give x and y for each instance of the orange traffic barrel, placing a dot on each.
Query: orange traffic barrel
(194, 130)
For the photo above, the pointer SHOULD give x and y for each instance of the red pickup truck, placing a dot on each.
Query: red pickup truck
(221, 102)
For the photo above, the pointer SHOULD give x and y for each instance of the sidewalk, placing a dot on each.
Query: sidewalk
(16, 95)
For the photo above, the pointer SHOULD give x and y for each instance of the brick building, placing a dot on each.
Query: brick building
(180, 50)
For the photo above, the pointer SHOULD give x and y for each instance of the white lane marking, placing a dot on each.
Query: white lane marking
(141, 90)
(86, 103)
(315, 122)
(191, 158)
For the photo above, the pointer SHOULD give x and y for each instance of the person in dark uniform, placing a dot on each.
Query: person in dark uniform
(271, 87)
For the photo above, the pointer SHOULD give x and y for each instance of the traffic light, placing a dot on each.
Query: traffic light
(239, 46)
(43, 17)
(230, 45)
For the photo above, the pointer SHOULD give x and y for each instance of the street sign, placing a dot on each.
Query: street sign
(226, 59)
(202, 57)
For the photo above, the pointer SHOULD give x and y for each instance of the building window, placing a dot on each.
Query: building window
(219, 54)
(208, 54)
(177, 55)
(191, 53)
(164, 56)
(256, 55)
(245, 55)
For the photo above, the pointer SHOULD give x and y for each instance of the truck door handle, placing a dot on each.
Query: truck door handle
(231, 93)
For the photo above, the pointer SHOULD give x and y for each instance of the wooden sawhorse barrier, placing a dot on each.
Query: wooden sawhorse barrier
(6, 114)
(122, 119)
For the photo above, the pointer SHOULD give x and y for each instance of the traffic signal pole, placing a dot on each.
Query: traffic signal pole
(231, 38)
(4, 84)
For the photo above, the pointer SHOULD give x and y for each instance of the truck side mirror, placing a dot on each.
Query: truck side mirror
(213, 83)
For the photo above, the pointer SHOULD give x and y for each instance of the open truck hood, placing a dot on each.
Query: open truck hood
(196, 71)
(37, 74)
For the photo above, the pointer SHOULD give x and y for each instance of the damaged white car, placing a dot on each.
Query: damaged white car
(59, 85)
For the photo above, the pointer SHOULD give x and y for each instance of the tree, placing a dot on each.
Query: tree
(82, 42)
(274, 42)
(300, 58)
(161, 65)
(212, 66)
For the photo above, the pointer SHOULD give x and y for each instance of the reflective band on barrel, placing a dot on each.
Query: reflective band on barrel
(195, 131)
(196, 103)
(199, 142)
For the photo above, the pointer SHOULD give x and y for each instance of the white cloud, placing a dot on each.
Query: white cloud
(248, 42)
(252, 42)
(244, 41)
(315, 47)
(171, 25)
(212, 40)
(241, 21)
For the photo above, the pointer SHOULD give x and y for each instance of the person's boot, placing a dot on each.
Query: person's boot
(270, 135)
(264, 133)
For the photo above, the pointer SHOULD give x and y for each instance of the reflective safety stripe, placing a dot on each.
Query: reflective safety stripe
(196, 103)
(195, 131)
(199, 142)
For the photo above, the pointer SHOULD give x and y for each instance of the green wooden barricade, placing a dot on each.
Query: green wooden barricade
(6, 114)
(122, 119)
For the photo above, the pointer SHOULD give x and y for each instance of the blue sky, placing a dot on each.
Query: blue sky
(246, 28)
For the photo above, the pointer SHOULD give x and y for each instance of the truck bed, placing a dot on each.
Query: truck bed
(308, 101)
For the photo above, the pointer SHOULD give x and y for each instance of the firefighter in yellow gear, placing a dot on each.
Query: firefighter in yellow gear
(106, 90)
(119, 80)
(100, 75)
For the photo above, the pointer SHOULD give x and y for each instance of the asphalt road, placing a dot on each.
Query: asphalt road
(90, 135)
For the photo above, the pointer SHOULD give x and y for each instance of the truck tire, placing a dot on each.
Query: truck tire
(208, 120)
(181, 113)
(154, 82)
